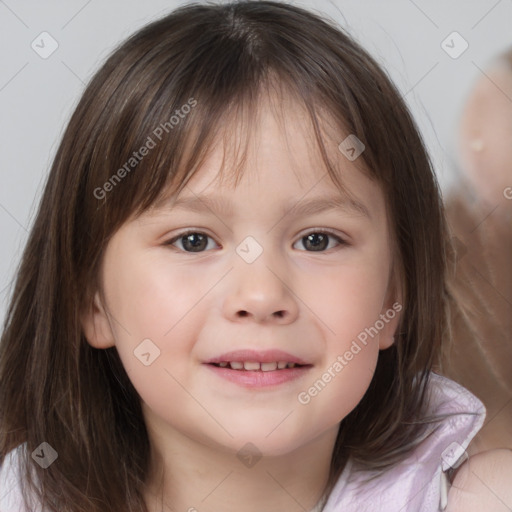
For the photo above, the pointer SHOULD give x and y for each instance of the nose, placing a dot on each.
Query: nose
(260, 292)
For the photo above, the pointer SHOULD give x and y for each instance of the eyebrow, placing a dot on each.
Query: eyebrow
(201, 204)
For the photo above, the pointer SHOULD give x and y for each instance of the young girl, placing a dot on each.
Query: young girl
(192, 330)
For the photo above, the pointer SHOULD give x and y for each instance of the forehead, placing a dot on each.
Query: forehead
(275, 154)
(283, 173)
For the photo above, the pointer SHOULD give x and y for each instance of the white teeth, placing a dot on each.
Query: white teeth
(251, 366)
(268, 367)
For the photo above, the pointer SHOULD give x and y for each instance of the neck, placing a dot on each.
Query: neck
(190, 476)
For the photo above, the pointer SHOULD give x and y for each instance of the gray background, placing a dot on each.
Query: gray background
(37, 95)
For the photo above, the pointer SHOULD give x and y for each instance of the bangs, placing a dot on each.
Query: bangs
(177, 152)
(152, 115)
(235, 129)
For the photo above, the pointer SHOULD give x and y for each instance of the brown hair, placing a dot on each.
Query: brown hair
(480, 355)
(54, 386)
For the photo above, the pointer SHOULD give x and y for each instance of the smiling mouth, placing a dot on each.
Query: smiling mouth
(257, 367)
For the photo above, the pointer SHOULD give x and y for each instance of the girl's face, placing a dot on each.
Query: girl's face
(485, 134)
(280, 269)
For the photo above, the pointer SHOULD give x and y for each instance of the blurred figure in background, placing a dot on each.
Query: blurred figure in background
(480, 216)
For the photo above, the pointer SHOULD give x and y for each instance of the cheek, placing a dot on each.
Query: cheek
(155, 309)
(499, 151)
(339, 386)
(350, 306)
(159, 309)
(151, 297)
(350, 298)
(487, 119)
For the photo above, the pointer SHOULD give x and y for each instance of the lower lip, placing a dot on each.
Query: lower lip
(259, 379)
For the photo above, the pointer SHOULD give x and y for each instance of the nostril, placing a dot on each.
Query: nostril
(279, 314)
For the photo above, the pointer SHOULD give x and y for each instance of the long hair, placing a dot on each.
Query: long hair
(219, 60)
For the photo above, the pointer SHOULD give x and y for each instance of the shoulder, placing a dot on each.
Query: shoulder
(417, 482)
(483, 482)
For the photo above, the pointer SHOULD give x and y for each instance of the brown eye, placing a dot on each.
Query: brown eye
(316, 241)
(319, 241)
(191, 241)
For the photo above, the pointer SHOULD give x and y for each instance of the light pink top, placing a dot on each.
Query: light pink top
(418, 484)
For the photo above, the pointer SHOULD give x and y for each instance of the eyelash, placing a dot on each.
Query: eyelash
(179, 236)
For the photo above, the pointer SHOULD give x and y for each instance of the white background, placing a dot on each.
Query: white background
(37, 95)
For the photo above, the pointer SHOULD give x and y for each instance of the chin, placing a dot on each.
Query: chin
(248, 442)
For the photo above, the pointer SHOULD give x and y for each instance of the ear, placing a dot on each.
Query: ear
(391, 312)
(96, 325)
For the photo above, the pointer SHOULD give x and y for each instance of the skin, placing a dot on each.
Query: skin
(484, 137)
(485, 151)
(483, 483)
(191, 305)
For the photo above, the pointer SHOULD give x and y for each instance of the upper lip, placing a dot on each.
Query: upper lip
(256, 356)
